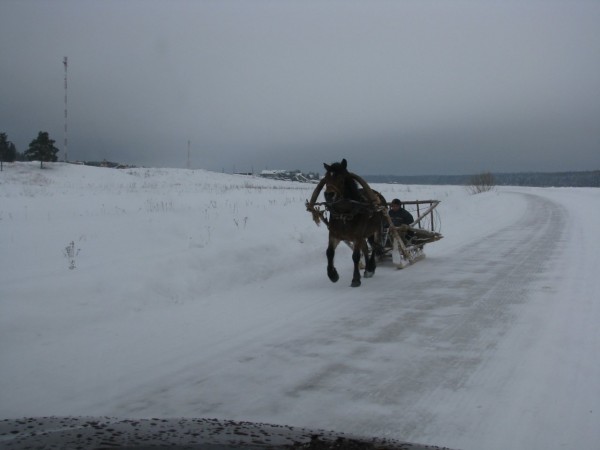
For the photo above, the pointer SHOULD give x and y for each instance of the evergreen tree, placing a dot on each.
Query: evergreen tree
(42, 148)
(8, 151)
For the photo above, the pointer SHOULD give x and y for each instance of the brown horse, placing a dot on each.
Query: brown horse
(356, 213)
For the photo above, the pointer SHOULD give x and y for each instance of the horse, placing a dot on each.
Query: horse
(356, 214)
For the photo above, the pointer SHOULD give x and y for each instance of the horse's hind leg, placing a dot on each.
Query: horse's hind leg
(356, 260)
(331, 271)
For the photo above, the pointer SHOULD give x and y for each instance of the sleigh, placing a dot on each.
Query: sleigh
(405, 244)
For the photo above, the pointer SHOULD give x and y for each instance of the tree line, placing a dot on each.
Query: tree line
(40, 149)
(590, 178)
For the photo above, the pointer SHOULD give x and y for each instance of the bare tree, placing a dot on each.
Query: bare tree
(481, 183)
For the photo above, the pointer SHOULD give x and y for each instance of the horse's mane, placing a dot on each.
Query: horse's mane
(352, 190)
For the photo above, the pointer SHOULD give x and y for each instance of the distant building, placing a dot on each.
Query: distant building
(276, 174)
(290, 175)
(105, 163)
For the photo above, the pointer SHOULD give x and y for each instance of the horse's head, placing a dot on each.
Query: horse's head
(336, 181)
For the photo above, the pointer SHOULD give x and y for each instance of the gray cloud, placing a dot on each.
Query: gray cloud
(395, 87)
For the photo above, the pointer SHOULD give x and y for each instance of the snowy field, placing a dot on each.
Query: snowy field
(177, 293)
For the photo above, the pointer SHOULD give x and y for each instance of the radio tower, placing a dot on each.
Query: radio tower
(188, 155)
(66, 148)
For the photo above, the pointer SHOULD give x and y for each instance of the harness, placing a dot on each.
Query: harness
(347, 214)
(370, 204)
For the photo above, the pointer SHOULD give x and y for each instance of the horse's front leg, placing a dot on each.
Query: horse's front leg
(370, 261)
(331, 271)
(356, 259)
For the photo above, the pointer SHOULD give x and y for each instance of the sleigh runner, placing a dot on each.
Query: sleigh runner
(358, 216)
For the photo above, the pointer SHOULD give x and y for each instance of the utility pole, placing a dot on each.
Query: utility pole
(188, 158)
(66, 148)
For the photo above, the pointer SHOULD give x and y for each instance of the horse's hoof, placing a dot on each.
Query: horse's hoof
(333, 275)
(355, 283)
(369, 274)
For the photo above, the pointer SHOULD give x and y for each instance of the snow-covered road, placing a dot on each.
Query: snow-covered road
(425, 353)
(490, 342)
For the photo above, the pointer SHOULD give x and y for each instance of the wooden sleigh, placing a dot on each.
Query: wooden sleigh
(404, 244)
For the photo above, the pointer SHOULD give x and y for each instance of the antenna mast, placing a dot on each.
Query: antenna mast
(188, 158)
(66, 148)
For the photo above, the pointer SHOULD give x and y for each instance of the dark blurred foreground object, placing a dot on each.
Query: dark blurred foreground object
(198, 434)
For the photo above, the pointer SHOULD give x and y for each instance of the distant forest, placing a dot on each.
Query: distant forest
(536, 179)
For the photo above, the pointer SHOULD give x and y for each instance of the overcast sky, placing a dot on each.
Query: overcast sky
(396, 87)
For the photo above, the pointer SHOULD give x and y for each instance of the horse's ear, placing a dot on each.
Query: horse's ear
(344, 163)
(327, 167)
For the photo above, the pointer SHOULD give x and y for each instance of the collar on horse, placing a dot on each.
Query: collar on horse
(370, 204)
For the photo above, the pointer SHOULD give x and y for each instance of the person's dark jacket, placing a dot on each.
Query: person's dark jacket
(400, 217)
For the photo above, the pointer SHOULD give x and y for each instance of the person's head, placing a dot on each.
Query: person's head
(395, 204)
